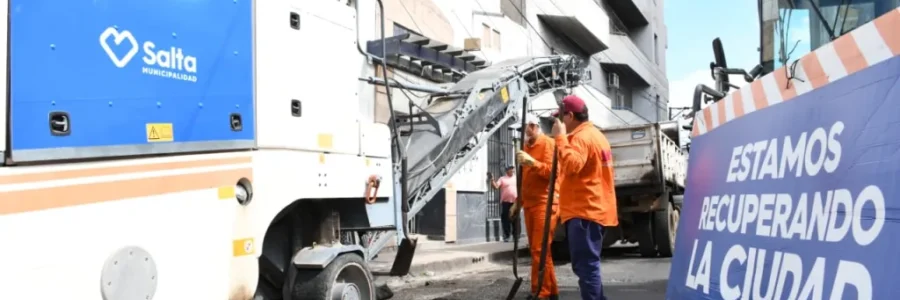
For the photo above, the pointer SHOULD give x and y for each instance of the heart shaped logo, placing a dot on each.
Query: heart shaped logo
(118, 37)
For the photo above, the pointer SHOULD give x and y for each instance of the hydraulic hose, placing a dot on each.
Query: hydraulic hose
(548, 215)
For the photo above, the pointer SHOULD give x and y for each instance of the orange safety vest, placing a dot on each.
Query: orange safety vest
(585, 160)
(536, 178)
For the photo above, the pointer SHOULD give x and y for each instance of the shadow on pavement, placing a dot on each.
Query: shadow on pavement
(611, 254)
(653, 290)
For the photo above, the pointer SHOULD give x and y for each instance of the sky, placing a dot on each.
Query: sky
(693, 24)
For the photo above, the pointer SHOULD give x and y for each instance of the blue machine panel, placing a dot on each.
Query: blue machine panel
(92, 78)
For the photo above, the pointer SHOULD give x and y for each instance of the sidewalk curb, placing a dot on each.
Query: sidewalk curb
(462, 263)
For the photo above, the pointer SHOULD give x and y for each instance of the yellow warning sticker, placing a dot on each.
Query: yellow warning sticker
(159, 132)
(226, 192)
(325, 141)
(241, 247)
(504, 95)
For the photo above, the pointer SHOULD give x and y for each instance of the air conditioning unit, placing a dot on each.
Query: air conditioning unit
(613, 80)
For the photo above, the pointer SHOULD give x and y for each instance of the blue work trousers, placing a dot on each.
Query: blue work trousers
(585, 243)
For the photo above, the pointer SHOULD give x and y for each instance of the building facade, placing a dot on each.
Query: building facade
(624, 42)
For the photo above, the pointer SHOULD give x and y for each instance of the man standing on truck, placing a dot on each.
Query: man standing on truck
(508, 195)
(588, 198)
(536, 161)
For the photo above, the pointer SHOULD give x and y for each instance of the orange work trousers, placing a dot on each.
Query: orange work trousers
(534, 224)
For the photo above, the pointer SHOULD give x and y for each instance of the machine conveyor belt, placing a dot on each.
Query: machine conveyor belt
(449, 130)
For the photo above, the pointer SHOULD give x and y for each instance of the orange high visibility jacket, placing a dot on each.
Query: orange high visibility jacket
(588, 188)
(536, 178)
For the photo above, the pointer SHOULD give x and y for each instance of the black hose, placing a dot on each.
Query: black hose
(517, 223)
(548, 214)
(517, 226)
(395, 132)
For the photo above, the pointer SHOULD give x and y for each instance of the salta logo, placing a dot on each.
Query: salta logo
(172, 63)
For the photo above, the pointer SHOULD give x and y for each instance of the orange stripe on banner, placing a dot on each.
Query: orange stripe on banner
(721, 107)
(707, 119)
(695, 130)
(759, 95)
(848, 51)
(781, 81)
(64, 196)
(737, 103)
(887, 26)
(117, 170)
(815, 74)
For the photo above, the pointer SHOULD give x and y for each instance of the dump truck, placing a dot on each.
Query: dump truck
(650, 169)
(210, 150)
(793, 174)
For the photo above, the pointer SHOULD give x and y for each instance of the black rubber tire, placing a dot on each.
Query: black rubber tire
(317, 284)
(643, 228)
(265, 291)
(559, 251)
(611, 236)
(665, 225)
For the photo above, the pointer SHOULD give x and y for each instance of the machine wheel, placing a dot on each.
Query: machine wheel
(345, 278)
(665, 226)
(643, 228)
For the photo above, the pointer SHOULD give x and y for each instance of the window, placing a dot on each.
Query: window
(620, 101)
(490, 38)
(655, 49)
(485, 36)
(496, 40)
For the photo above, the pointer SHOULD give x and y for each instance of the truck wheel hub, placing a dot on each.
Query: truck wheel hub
(345, 291)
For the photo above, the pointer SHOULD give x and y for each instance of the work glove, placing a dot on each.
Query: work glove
(524, 159)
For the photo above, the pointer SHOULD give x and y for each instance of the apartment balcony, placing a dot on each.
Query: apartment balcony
(631, 12)
(625, 58)
(582, 22)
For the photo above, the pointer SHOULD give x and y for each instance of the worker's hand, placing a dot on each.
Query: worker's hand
(523, 158)
(514, 211)
(559, 128)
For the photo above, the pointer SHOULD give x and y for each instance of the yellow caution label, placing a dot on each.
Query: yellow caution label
(321, 158)
(504, 95)
(226, 193)
(242, 247)
(368, 162)
(326, 141)
(159, 132)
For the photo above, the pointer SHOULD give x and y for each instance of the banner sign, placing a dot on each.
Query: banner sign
(797, 201)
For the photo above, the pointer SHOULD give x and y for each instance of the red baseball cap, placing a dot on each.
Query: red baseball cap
(570, 103)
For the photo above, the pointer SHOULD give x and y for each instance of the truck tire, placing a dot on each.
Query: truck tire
(346, 275)
(643, 229)
(559, 251)
(665, 226)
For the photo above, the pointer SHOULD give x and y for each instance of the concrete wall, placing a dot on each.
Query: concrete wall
(638, 52)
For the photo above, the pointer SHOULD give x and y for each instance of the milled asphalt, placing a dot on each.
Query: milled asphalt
(625, 276)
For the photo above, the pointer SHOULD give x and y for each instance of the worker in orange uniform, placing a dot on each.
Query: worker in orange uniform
(588, 200)
(536, 161)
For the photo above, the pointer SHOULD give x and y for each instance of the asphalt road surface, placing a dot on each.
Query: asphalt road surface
(624, 277)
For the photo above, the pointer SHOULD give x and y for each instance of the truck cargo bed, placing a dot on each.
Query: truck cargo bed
(646, 157)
